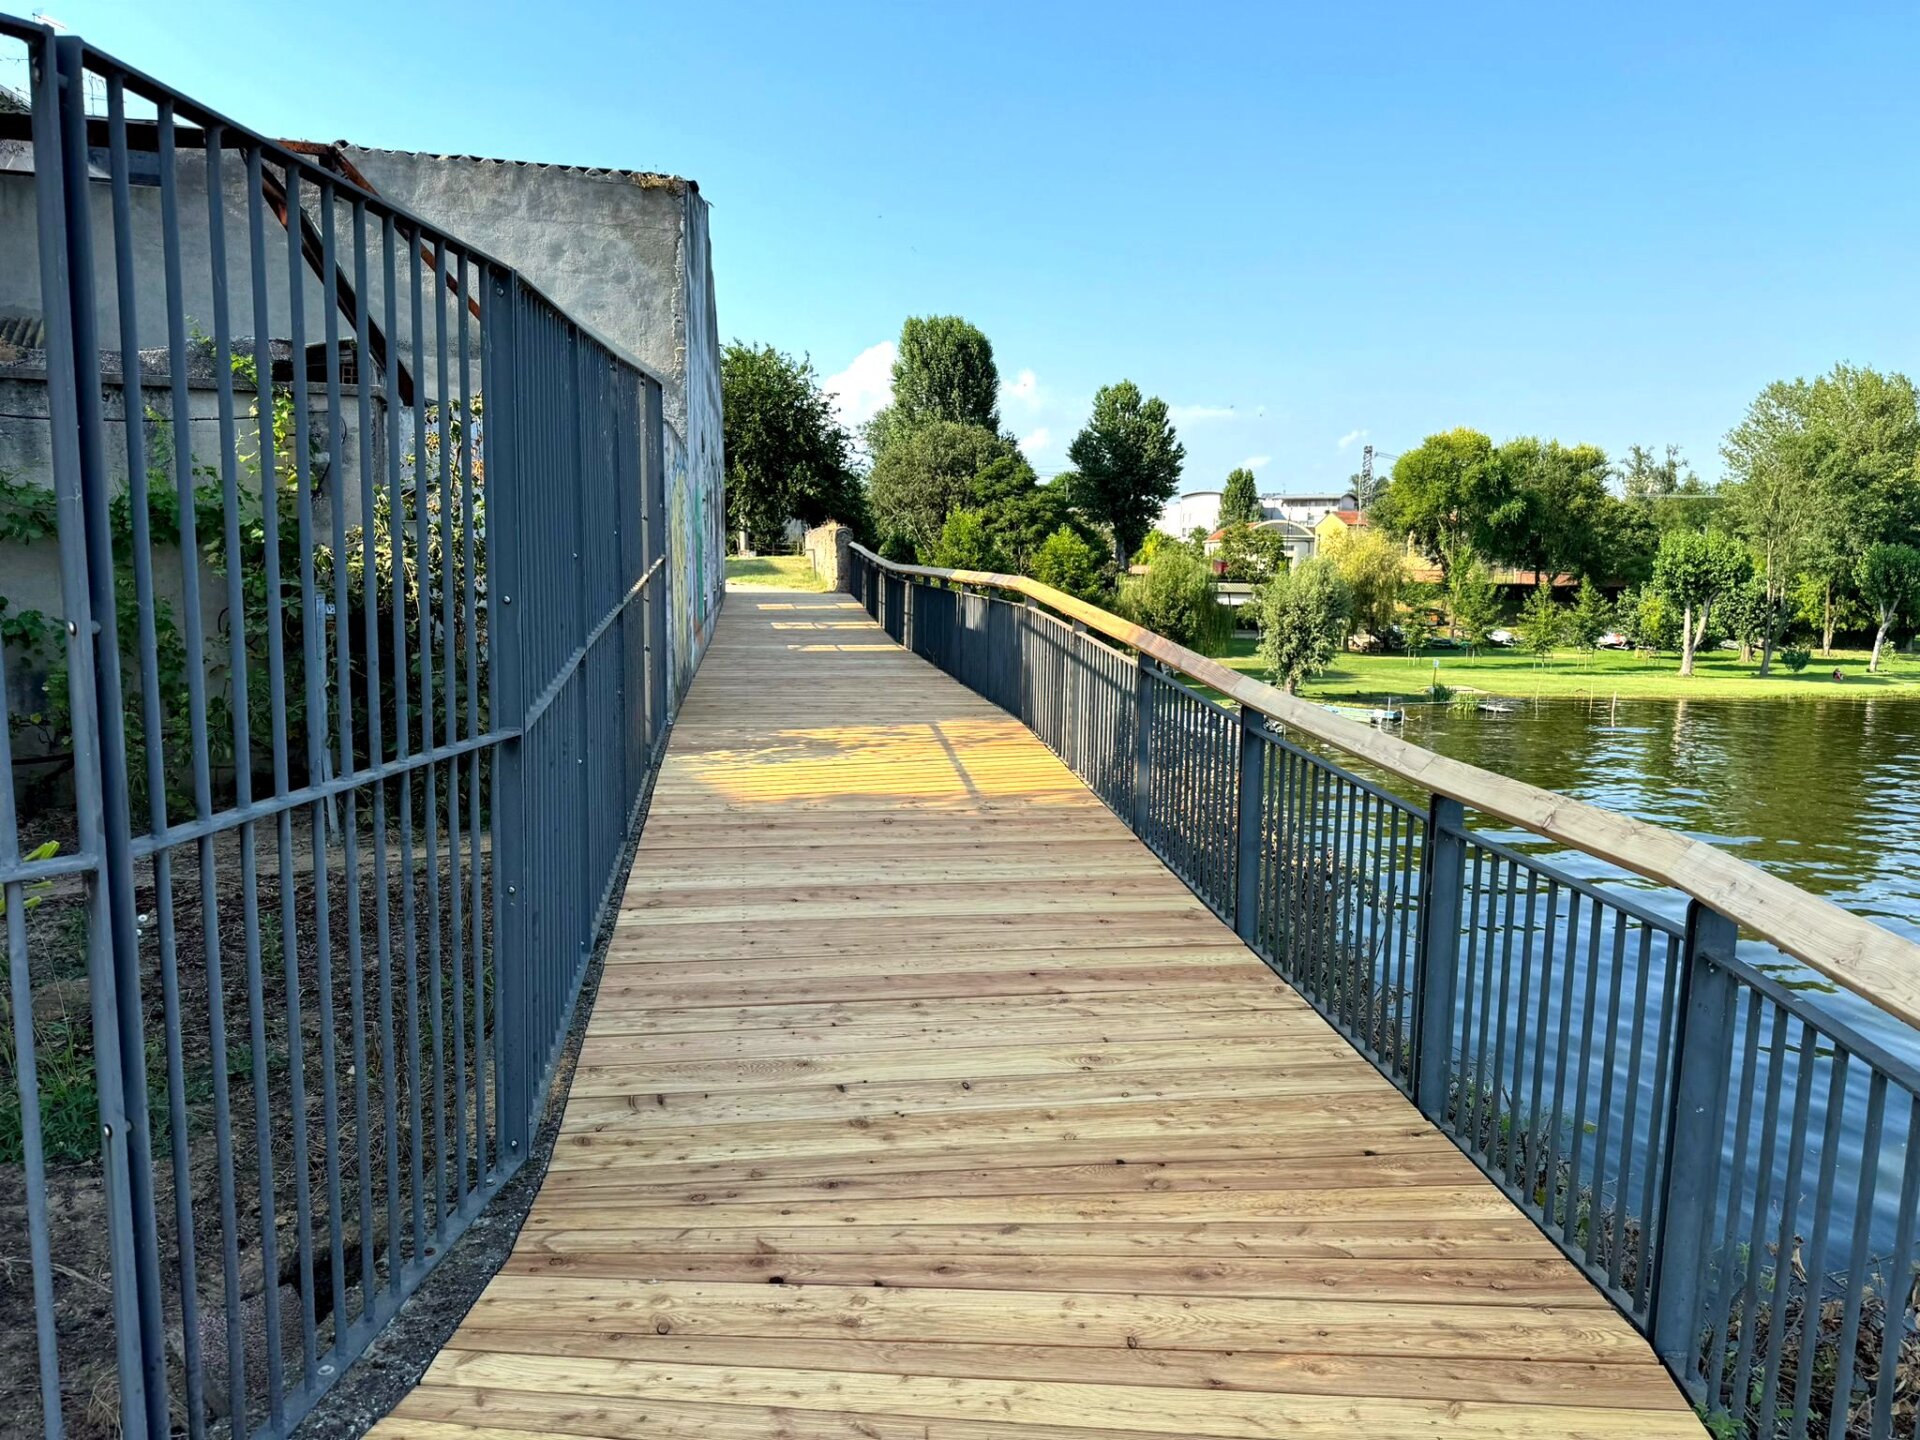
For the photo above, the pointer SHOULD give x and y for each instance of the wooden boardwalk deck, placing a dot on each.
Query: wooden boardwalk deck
(921, 1101)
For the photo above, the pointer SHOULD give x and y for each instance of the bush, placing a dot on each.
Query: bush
(1795, 658)
(1177, 598)
(1303, 620)
(1067, 562)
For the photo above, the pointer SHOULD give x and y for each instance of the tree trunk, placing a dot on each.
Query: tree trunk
(1879, 639)
(1686, 640)
(1826, 623)
(1766, 641)
(1706, 618)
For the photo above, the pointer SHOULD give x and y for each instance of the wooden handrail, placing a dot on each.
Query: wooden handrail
(1871, 961)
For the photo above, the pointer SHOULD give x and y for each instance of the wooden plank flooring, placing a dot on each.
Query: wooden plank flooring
(921, 1101)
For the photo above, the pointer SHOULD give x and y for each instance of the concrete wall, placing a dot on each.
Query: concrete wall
(629, 255)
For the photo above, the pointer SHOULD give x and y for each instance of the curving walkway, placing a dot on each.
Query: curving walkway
(920, 1102)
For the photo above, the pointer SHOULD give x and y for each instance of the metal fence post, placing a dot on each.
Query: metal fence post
(506, 486)
(1443, 863)
(1142, 744)
(102, 812)
(1702, 1065)
(1249, 814)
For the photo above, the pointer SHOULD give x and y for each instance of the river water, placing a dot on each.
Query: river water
(1823, 793)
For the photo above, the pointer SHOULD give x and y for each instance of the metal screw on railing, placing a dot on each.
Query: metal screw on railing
(1701, 1069)
(1443, 864)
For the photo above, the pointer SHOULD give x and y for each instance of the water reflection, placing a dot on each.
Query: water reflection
(1825, 793)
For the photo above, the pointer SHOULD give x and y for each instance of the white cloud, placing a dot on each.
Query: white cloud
(1352, 437)
(864, 386)
(1256, 462)
(1199, 414)
(1039, 440)
(1023, 392)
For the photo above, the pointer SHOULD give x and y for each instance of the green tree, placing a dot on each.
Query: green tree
(943, 371)
(1553, 507)
(1375, 570)
(1648, 619)
(1774, 495)
(1863, 434)
(965, 543)
(1304, 613)
(1249, 554)
(1473, 601)
(1587, 621)
(786, 455)
(1692, 569)
(1240, 500)
(1019, 512)
(1889, 579)
(1129, 460)
(1067, 561)
(1177, 598)
(1443, 495)
(927, 474)
(1543, 623)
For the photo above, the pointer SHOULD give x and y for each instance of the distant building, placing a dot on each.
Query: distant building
(1298, 539)
(1308, 510)
(1337, 522)
(1196, 510)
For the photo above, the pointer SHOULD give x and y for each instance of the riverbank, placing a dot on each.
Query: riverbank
(1718, 675)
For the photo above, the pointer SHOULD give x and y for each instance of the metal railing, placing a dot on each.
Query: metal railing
(351, 682)
(1731, 1157)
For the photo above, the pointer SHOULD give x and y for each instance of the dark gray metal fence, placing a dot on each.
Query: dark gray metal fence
(1731, 1157)
(355, 683)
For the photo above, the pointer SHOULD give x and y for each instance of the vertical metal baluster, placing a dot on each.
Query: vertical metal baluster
(1499, 1113)
(1656, 1168)
(313, 669)
(430, 799)
(1858, 1252)
(216, 984)
(390, 240)
(277, 683)
(1719, 1301)
(153, 731)
(454, 425)
(1787, 1244)
(1576, 1152)
(342, 624)
(1603, 1125)
(1762, 1204)
(1629, 1129)
(1902, 1281)
(1557, 1212)
(376, 708)
(1462, 1107)
(1540, 1176)
(1811, 1305)
(27, 1088)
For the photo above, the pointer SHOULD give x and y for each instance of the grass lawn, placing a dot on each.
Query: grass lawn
(1717, 675)
(773, 572)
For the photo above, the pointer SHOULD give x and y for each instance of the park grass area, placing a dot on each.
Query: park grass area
(773, 572)
(1718, 675)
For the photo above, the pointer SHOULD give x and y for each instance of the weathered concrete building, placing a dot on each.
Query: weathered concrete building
(627, 252)
(624, 252)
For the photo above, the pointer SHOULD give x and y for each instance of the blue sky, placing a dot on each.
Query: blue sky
(1303, 225)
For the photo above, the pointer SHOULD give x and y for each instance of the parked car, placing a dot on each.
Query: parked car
(1613, 640)
(1506, 639)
